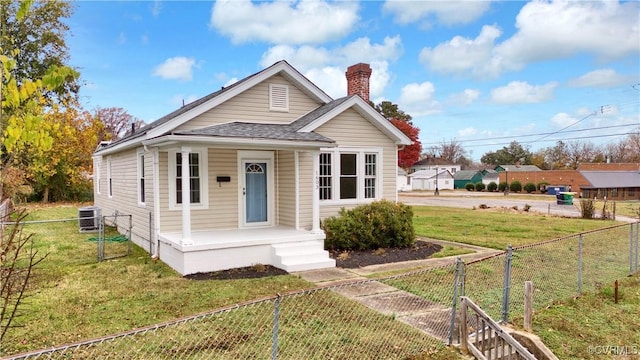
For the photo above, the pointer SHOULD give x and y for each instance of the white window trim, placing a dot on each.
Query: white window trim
(139, 176)
(272, 107)
(360, 171)
(97, 171)
(203, 166)
(109, 178)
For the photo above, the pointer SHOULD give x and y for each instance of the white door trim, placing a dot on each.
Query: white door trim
(245, 157)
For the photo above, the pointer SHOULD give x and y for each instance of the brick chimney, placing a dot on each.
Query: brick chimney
(358, 80)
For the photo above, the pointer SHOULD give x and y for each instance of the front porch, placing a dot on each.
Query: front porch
(287, 248)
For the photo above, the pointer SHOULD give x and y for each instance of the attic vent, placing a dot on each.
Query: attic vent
(278, 97)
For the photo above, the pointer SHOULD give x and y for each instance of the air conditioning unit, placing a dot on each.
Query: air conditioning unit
(88, 218)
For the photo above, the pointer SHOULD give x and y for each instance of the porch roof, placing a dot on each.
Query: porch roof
(257, 131)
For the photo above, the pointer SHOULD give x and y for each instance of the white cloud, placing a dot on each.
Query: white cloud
(284, 22)
(461, 55)
(179, 68)
(517, 92)
(563, 120)
(465, 98)
(602, 78)
(546, 30)
(156, 7)
(469, 131)
(326, 67)
(418, 99)
(447, 12)
(559, 29)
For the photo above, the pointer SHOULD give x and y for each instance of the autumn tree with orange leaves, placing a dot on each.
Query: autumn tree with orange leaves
(409, 154)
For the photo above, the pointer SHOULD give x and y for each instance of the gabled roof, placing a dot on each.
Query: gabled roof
(611, 179)
(429, 174)
(431, 160)
(300, 130)
(465, 174)
(169, 122)
(519, 167)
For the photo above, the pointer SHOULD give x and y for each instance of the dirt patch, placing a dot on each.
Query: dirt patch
(344, 259)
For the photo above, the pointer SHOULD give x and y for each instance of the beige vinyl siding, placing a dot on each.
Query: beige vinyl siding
(124, 201)
(253, 106)
(286, 188)
(222, 212)
(350, 129)
(305, 165)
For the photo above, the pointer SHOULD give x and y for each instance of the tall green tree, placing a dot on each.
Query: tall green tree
(391, 111)
(508, 155)
(40, 35)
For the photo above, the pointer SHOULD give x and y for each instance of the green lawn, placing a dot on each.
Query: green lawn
(73, 297)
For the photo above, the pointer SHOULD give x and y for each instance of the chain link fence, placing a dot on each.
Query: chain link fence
(402, 316)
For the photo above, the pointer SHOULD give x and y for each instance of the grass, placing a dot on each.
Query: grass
(74, 297)
(495, 229)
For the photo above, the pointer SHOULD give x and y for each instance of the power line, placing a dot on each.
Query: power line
(564, 139)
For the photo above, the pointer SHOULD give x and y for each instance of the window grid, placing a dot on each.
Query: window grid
(194, 178)
(369, 176)
(325, 176)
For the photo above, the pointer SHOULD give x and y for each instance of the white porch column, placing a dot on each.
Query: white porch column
(316, 193)
(186, 197)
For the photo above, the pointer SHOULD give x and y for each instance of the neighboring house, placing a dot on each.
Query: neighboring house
(611, 185)
(430, 179)
(463, 177)
(266, 159)
(489, 176)
(517, 167)
(433, 163)
(403, 180)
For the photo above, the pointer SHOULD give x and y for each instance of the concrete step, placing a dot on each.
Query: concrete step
(301, 255)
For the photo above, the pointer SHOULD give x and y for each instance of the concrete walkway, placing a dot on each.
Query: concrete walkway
(428, 316)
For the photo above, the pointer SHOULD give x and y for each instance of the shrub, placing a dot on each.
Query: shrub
(479, 186)
(492, 186)
(529, 187)
(502, 186)
(587, 208)
(470, 187)
(515, 186)
(380, 224)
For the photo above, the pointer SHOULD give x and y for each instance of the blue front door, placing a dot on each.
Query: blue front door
(256, 192)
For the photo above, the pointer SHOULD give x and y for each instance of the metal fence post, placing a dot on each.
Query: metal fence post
(506, 290)
(631, 249)
(456, 284)
(637, 242)
(276, 319)
(580, 264)
(100, 219)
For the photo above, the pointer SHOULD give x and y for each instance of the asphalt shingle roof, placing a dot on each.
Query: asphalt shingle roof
(256, 131)
(612, 179)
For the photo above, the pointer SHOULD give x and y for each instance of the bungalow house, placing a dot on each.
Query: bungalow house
(489, 176)
(463, 177)
(244, 175)
(431, 179)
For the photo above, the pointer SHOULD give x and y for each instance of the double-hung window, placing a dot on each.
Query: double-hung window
(141, 178)
(349, 174)
(198, 180)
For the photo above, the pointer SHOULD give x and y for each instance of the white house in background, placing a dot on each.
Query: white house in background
(432, 163)
(489, 176)
(430, 179)
(265, 160)
(403, 180)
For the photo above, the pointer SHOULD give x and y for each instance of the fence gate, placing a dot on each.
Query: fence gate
(114, 233)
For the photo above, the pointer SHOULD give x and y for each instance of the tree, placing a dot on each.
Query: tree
(452, 152)
(514, 153)
(410, 153)
(40, 35)
(391, 111)
(117, 122)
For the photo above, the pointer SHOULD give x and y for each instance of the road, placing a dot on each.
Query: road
(545, 204)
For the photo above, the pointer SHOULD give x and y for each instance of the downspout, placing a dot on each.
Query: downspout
(156, 201)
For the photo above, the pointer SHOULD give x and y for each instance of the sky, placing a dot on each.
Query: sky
(478, 73)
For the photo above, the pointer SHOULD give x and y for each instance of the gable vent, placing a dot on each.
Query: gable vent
(278, 97)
